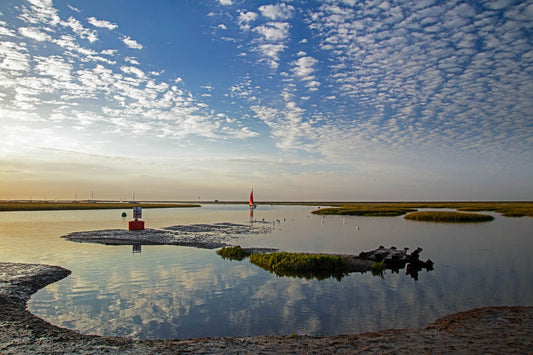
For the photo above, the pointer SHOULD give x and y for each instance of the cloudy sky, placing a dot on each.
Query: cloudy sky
(300, 100)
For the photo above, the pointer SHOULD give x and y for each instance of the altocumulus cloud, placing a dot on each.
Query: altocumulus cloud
(341, 82)
(399, 74)
(74, 84)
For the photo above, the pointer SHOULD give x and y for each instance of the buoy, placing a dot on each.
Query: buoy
(343, 221)
(124, 214)
(136, 224)
(357, 228)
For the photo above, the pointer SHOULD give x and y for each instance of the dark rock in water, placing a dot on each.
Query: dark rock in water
(395, 259)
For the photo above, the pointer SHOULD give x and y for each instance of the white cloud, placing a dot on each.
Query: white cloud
(14, 59)
(131, 43)
(273, 31)
(271, 51)
(4, 31)
(111, 52)
(102, 23)
(73, 8)
(81, 31)
(277, 12)
(133, 70)
(55, 67)
(497, 4)
(40, 12)
(132, 60)
(34, 34)
(225, 2)
(288, 127)
(245, 18)
(304, 67)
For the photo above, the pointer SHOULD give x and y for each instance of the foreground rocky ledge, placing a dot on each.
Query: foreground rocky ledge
(484, 330)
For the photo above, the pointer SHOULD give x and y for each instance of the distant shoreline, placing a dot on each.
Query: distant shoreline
(506, 208)
(83, 205)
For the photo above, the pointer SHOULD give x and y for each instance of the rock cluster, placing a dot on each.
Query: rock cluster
(396, 259)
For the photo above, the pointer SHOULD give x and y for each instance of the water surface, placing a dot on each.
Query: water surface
(181, 292)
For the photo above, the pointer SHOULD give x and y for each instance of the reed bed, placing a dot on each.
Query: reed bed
(448, 217)
(375, 211)
(308, 266)
(507, 209)
(234, 253)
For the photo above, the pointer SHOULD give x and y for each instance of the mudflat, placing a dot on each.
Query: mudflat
(485, 330)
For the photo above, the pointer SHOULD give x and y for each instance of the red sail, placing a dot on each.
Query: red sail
(252, 198)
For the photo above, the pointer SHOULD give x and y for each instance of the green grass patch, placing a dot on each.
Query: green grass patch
(54, 206)
(233, 253)
(319, 266)
(378, 268)
(448, 217)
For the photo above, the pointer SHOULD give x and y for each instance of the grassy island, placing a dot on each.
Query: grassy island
(363, 210)
(386, 209)
(85, 205)
(234, 253)
(448, 217)
(303, 265)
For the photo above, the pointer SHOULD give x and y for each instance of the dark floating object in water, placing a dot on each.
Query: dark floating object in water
(124, 214)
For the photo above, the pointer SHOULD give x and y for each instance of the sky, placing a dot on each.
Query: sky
(346, 100)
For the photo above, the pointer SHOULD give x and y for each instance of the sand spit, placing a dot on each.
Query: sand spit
(205, 236)
(485, 330)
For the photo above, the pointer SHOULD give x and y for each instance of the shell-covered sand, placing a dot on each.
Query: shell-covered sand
(490, 330)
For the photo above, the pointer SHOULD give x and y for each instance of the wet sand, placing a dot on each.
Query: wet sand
(490, 330)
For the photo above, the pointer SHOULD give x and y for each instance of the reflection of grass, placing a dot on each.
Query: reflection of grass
(508, 209)
(233, 253)
(320, 266)
(41, 206)
(450, 217)
(378, 268)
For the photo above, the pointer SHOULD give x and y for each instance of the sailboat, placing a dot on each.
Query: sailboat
(252, 203)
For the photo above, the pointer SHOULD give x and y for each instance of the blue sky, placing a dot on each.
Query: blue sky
(301, 100)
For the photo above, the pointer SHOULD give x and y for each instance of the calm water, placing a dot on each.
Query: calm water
(180, 292)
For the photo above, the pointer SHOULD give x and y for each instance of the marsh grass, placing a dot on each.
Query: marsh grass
(448, 217)
(375, 211)
(507, 209)
(319, 266)
(233, 253)
(378, 268)
(51, 206)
